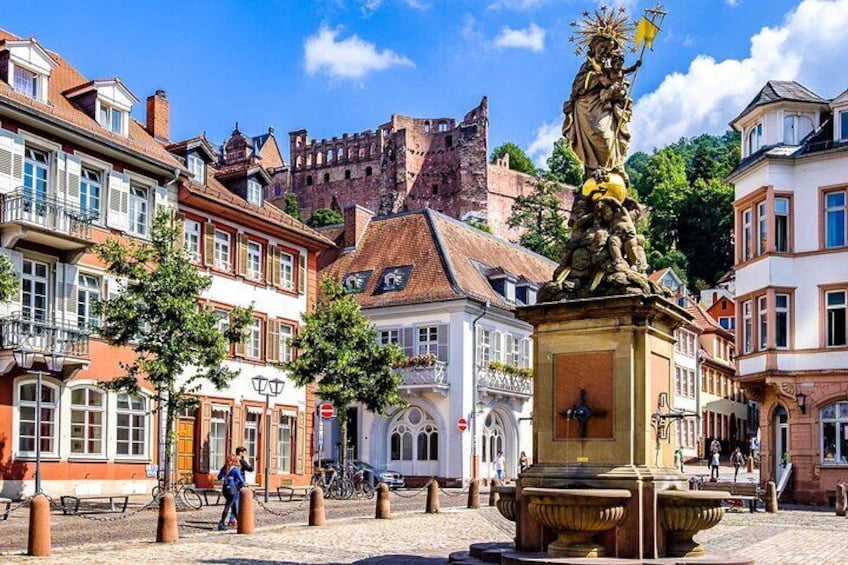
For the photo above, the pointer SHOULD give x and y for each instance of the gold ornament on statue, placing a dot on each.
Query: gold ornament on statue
(614, 186)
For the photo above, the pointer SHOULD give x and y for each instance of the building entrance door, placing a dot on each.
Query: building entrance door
(781, 441)
(185, 447)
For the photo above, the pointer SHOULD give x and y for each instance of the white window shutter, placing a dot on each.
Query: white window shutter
(73, 170)
(497, 339)
(61, 178)
(119, 201)
(71, 272)
(13, 306)
(11, 161)
(443, 338)
(526, 352)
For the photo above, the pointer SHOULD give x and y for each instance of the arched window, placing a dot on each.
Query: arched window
(339, 153)
(298, 162)
(755, 139)
(834, 439)
(414, 436)
(493, 437)
(308, 180)
(347, 174)
(796, 128)
(309, 159)
(329, 155)
(326, 178)
(88, 409)
(49, 415)
(318, 158)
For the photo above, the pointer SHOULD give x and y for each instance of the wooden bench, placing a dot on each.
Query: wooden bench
(7, 502)
(71, 503)
(291, 491)
(738, 491)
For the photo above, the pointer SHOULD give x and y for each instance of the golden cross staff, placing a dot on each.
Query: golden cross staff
(647, 29)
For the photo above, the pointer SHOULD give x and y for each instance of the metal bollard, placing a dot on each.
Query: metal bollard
(771, 497)
(316, 507)
(246, 516)
(474, 494)
(166, 526)
(432, 497)
(493, 495)
(384, 507)
(840, 499)
(39, 539)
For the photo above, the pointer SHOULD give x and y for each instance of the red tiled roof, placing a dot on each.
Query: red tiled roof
(706, 323)
(657, 275)
(64, 78)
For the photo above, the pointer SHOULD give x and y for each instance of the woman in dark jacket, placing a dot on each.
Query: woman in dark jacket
(233, 481)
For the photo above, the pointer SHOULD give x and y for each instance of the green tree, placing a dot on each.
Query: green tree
(176, 338)
(338, 352)
(543, 218)
(292, 207)
(9, 282)
(478, 224)
(705, 226)
(563, 165)
(325, 217)
(518, 159)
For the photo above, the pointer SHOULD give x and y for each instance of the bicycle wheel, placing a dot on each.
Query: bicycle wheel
(157, 490)
(347, 488)
(191, 498)
(368, 490)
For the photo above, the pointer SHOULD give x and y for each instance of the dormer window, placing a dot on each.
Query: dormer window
(394, 279)
(796, 128)
(356, 282)
(390, 281)
(112, 119)
(28, 68)
(254, 192)
(843, 122)
(755, 139)
(26, 82)
(197, 168)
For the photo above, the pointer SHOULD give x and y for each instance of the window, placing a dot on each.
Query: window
(448, 141)
(90, 193)
(512, 350)
(747, 327)
(218, 437)
(254, 261)
(286, 334)
(284, 443)
(762, 228)
(326, 178)
(834, 433)
(254, 192)
(386, 337)
(762, 314)
(222, 251)
(26, 422)
(369, 171)
(35, 181)
(87, 409)
(88, 295)
(287, 271)
(308, 180)
(843, 118)
(34, 292)
(131, 425)
(835, 302)
(428, 341)
(746, 235)
(111, 118)
(347, 174)
(413, 436)
(191, 235)
(755, 139)
(251, 434)
(781, 225)
(796, 128)
(493, 437)
(781, 320)
(835, 219)
(484, 346)
(727, 322)
(253, 347)
(197, 168)
(138, 210)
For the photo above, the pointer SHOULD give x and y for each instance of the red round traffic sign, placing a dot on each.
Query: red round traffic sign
(326, 410)
(462, 424)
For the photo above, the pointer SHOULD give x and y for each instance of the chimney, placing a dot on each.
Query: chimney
(356, 219)
(158, 116)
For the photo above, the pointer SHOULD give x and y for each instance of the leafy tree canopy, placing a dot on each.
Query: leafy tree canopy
(563, 165)
(518, 159)
(292, 207)
(9, 282)
(325, 217)
(478, 224)
(542, 217)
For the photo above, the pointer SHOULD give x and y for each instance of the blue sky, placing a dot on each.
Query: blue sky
(335, 66)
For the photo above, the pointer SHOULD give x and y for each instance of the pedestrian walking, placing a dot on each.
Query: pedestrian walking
(246, 467)
(522, 462)
(678, 458)
(738, 460)
(233, 481)
(714, 465)
(715, 446)
(500, 461)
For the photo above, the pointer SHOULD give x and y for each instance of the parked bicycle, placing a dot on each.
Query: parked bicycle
(183, 490)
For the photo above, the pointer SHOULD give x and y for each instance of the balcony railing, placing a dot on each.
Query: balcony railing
(44, 335)
(504, 383)
(49, 213)
(435, 375)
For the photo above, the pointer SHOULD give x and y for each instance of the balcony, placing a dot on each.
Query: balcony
(432, 378)
(500, 384)
(43, 335)
(45, 220)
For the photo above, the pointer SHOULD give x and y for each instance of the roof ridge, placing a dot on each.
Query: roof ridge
(444, 254)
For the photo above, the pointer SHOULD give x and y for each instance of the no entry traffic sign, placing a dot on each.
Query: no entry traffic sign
(462, 424)
(326, 410)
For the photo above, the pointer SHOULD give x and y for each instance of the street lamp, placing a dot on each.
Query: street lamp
(24, 357)
(268, 388)
(801, 399)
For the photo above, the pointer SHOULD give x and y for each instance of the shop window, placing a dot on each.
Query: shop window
(834, 434)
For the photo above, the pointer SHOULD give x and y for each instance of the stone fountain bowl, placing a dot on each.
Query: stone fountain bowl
(577, 515)
(684, 513)
(506, 501)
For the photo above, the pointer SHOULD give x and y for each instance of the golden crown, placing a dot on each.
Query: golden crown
(613, 24)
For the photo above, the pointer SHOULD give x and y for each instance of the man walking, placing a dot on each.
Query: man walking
(714, 465)
(500, 462)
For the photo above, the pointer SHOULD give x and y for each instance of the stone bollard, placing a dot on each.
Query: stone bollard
(316, 507)
(750, 464)
(840, 499)
(246, 516)
(384, 507)
(39, 540)
(493, 496)
(166, 526)
(771, 497)
(432, 497)
(474, 494)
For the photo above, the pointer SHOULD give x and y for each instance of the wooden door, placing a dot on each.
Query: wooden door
(185, 447)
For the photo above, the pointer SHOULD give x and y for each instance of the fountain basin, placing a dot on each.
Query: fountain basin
(506, 502)
(684, 513)
(577, 515)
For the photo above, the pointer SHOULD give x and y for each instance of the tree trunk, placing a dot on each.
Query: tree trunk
(169, 441)
(343, 428)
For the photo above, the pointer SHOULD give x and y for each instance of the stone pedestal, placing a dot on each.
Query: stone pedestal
(618, 351)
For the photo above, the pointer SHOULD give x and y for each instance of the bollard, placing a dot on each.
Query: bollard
(493, 495)
(246, 516)
(39, 542)
(840, 499)
(474, 494)
(750, 464)
(384, 507)
(432, 497)
(316, 507)
(845, 497)
(166, 526)
(771, 497)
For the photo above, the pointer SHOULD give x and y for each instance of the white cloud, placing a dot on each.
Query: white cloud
(732, 3)
(368, 7)
(418, 4)
(350, 58)
(531, 37)
(516, 5)
(808, 47)
(546, 135)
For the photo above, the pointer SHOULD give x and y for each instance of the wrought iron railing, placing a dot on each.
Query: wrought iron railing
(504, 382)
(48, 212)
(435, 375)
(44, 335)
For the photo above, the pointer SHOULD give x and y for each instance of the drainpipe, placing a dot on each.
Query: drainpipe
(475, 459)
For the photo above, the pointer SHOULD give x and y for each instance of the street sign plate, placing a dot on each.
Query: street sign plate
(326, 410)
(462, 424)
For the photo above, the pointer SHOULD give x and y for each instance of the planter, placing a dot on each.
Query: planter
(685, 513)
(506, 502)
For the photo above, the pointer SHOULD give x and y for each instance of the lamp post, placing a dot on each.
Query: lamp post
(268, 388)
(24, 357)
(475, 462)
